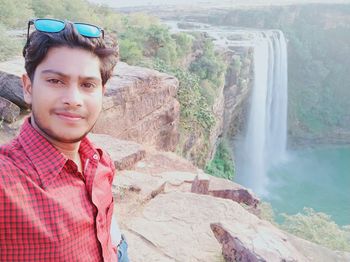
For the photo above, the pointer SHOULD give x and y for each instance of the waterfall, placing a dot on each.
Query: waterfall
(264, 143)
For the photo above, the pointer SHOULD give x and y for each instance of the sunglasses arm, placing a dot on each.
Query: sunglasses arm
(30, 22)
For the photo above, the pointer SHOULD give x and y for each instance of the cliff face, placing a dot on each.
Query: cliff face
(228, 108)
(140, 105)
(198, 147)
(237, 89)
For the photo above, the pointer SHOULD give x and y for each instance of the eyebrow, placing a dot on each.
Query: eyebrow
(50, 71)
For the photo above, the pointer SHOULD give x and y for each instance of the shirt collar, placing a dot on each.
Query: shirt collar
(48, 161)
(87, 149)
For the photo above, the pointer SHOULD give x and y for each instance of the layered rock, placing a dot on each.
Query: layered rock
(8, 110)
(174, 215)
(10, 81)
(124, 153)
(140, 105)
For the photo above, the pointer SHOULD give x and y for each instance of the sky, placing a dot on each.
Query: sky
(216, 3)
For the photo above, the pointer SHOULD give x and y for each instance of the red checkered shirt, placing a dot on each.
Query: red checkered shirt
(49, 211)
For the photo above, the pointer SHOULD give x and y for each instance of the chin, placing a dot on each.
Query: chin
(70, 140)
(65, 135)
(69, 137)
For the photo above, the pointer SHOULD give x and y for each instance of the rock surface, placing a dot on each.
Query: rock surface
(8, 110)
(164, 221)
(124, 153)
(223, 188)
(10, 81)
(258, 240)
(140, 105)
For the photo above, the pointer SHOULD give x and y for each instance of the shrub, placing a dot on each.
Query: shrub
(130, 52)
(222, 163)
(318, 228)
(9, 47)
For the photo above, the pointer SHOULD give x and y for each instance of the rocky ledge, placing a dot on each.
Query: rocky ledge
(171, 211)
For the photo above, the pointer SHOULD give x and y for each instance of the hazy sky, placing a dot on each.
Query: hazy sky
(233, 3)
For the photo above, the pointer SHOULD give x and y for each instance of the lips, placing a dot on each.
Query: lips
(69, 116)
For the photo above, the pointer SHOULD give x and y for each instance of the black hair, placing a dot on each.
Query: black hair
(39, 43)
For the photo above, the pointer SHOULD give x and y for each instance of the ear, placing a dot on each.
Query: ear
(27, 89)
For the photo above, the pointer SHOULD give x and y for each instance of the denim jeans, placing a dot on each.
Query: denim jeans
(123, 251)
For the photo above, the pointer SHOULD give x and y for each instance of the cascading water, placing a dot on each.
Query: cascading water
(264, 143)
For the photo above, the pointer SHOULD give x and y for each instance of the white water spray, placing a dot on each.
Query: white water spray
(264, 144)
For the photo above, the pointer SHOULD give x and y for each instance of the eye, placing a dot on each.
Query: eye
(88, 85)
(54, 81)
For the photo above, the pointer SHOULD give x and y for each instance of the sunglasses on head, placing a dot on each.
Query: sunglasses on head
(54, 26)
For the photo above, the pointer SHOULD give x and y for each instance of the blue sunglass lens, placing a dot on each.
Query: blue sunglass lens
(48, 25)
(88, 30)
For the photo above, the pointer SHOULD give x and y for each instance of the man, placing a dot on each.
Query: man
(56, 202)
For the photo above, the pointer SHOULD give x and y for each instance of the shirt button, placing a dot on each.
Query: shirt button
(100, 222)
(95, 156)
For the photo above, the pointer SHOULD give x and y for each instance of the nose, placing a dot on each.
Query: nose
(72, 96)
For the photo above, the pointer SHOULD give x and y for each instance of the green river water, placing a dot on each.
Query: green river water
(316, 178)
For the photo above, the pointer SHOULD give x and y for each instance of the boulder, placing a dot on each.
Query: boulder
(140, 105)
(10, 81)
(8, 110)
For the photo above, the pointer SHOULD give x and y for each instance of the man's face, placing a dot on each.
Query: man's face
(66, 94)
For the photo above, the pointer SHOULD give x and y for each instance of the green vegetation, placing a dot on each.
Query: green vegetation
(199, 80)
(314, 226)
(318, 228)
(267, 212)
(208, 66)
(196, 117)
(222, 163)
